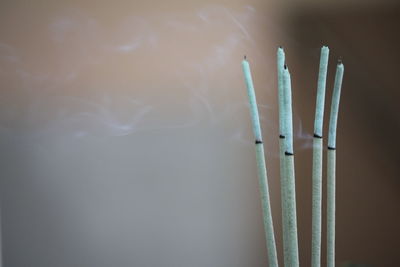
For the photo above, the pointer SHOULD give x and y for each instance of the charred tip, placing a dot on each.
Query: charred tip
(245, 57)
(281, 136)
(259, 142)
(288, 153)
(317, 136)
(285, 66)
(331, 148)
(280, 46)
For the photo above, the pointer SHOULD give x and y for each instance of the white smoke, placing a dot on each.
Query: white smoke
(88, 45)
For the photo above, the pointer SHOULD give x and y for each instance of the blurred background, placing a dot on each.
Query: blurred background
(125, 135)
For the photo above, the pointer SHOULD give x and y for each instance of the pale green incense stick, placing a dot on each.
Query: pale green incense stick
(290, 195)
(262, 171)
(331, 188)
(316, 201)
(331, 166)
(285, 227)
(284, 200)
(317, 160)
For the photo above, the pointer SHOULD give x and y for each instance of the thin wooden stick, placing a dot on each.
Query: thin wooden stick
(293, 250)
(317, 160)
(262, 171)
(284, 204)
(331, 166)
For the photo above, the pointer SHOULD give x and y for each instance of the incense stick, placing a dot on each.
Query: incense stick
(290, 195)
(281, 99)
(331, 166)
(331, 188)
(317, 160)
(262, 171)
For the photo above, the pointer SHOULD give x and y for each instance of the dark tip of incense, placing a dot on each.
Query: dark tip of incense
(317, 136)
(281, 136)
(245, 58)
(331, 148)
(280, 46)
(289, 154)
(259, 142)
(285, 66)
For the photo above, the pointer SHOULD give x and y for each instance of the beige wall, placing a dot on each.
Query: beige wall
(125, 137)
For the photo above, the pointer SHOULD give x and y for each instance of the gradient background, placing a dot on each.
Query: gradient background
(125, 136)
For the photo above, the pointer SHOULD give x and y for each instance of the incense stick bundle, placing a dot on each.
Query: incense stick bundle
(262, 171)
(331, 166)
(284, 204)
(317, 160)
(289, 173)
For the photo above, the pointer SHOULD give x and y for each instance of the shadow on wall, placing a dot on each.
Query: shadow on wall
(368, 170)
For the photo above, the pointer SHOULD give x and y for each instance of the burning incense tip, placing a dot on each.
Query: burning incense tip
(245, 57)
(252, 100)
(280, 68)
(285, 66)
(259, 142)
(331, 148)
(335, 105)
(317, 136)
(288, 111)
(321, 86)
(289, 154)
(281, 136)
